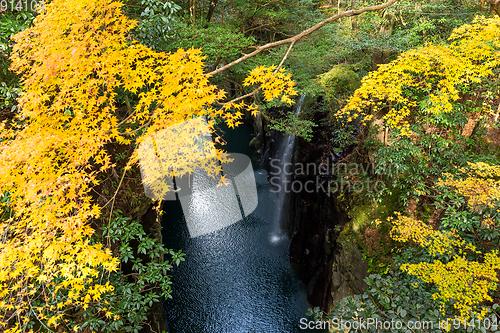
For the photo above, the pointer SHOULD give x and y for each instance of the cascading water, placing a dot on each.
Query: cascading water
(281, 176)
(236, 279)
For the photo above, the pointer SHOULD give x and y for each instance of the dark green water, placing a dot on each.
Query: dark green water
(237, 279)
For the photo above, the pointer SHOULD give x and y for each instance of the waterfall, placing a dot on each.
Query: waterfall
(282, 177)
(236, 271)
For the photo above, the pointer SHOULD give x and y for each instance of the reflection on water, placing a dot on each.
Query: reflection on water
(237, 279)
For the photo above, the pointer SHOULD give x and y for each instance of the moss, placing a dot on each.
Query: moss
(485, 141)
(425, 211)
(340, 80)
(372, 238)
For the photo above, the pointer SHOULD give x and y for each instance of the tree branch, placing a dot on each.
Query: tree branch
(304, 33)
(258, 88)
(284, 57)
(241, 97)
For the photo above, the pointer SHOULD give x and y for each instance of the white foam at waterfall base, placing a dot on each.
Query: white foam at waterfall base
(277, 238)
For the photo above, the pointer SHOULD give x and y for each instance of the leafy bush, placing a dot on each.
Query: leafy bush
(10, 24)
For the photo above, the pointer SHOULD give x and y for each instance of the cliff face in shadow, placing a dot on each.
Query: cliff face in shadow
(319, 218)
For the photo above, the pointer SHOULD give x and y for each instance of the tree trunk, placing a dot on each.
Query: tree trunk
(192, 10)
(213, 4)
(495, 6)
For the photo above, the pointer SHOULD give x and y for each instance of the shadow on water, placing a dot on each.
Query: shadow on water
(237, 279)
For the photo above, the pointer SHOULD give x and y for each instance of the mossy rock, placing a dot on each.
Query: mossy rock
(485, 147)
(340, 80)
(363, 232)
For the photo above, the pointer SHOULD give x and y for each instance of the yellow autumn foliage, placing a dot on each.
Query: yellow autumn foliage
(466, 283)
(407, 229)
(478, 183)
(436, 71)
(274, 83)
(73, 60)
(463, 282)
